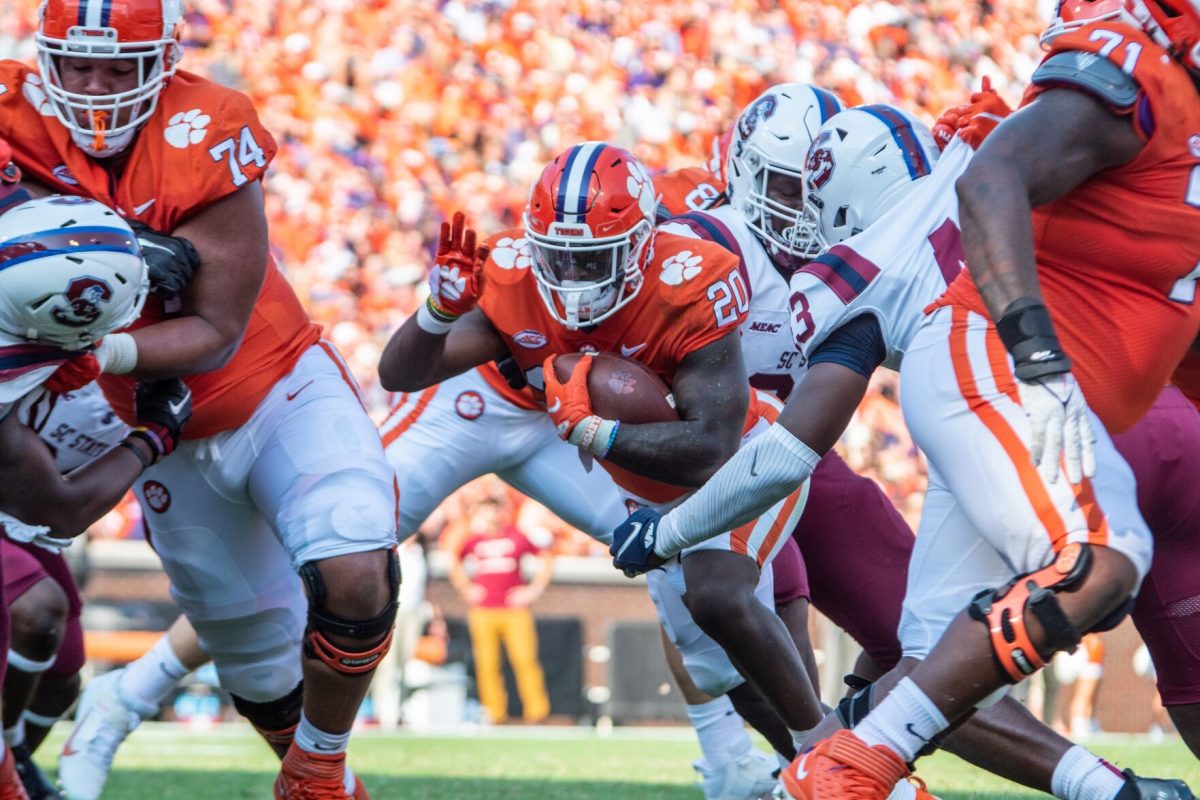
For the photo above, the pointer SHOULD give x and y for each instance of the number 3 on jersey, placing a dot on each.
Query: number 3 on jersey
(730, 298)
(248, 152)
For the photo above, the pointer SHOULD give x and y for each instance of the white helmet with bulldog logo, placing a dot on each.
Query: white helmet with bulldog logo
(862, 162)
(71, 272)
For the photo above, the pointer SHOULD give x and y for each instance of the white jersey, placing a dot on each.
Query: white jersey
(767, 347)
(892, 270)
(77, 427)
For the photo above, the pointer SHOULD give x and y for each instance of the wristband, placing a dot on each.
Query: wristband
(606, 436)
(128, 445)
(117, 354)
(158, 445)
(432, 320)
(1028, 334)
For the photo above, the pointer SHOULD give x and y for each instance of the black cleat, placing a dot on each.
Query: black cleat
(35, 783)
(1135, 789)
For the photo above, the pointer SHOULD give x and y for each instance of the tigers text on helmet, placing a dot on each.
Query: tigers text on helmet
(863, 161)
(143, 32)
(589, 221)
(767, 155)
(1173, 25)
(1070, 15)
(71, 272)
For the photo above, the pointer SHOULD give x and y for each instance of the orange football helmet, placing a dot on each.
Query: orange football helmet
(1173, 24)
(1070, 15)
(143, 32)
(589, 220)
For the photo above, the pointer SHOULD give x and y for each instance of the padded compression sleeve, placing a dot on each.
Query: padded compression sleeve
(758, 476)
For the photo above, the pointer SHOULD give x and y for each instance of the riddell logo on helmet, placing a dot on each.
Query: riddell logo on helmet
(85, 296)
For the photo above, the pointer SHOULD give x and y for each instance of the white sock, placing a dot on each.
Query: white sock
(1081, 775)
(720, 730)
(16, 734)
(314, 740)
(905, 721)
(903, 790)
(799, 738)
(149, 679)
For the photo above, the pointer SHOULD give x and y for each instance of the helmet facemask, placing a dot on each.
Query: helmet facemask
(103, 125)
(584, 280)
(779, 225)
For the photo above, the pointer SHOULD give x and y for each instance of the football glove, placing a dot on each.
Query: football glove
(570, 406)
(1058, 417)
(972, 121)
(163, 406)
(170, 260)
(456, 277)
(11, 191)
(40, 535)
(632, 547)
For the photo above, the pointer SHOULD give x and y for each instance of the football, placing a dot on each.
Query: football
(622, 389)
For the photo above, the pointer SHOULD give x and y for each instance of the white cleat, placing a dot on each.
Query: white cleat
(102, 721)
(747, 776)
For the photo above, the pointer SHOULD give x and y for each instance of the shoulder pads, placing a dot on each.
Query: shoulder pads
(1090, 73)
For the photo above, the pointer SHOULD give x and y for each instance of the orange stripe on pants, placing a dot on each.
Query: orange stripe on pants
(994, 421)
(406, 423)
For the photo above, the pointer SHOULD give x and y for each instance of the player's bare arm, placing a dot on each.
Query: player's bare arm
(1037, 155)
(230, 237)
(712, 397)
(33, 490)
(415, 358)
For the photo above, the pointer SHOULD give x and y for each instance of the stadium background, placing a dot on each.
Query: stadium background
(392, 115)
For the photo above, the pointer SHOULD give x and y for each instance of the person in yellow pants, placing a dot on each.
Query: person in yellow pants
(499, 601)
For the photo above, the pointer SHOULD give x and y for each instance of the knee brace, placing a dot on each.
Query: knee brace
(275, 720)
(323, 623)
(1003, 611)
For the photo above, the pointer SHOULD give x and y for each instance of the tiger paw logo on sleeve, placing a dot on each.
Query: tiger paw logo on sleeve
(187, 128)
(683, 266)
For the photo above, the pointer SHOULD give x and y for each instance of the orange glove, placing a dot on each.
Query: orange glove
(74, 374)
(972, 121)
(11, 191)
(570, 406)
(454, 282)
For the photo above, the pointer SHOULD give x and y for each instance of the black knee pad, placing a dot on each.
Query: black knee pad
(274, 719)
(374, 633)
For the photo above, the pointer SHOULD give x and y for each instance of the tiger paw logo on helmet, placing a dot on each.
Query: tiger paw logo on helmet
(641, 187)
(85, 295)
(35, 94)
(187, 128)
(683, 266)
(512, 253)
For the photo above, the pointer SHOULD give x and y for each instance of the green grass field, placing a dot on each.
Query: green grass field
(166, 762)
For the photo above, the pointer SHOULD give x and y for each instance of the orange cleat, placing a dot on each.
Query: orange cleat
(843, 767)
(313, 776)
(11, 787)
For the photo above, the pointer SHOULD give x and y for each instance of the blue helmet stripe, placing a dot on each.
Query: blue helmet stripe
(585, 185)
(105, 13)
(906, 139)
(828, 102)
(66, 241)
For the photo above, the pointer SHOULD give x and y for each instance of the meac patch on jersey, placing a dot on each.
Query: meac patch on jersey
(893, 270)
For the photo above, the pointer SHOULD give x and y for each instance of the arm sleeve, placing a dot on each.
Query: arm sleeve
(857, 345)
(758, 476)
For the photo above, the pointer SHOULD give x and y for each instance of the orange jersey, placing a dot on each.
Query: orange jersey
(671, 317)
(1119, 256)
(1187, 376)
(687, 189)
(203, 143)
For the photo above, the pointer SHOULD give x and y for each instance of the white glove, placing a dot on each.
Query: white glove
(1058, 416)
(37, 534)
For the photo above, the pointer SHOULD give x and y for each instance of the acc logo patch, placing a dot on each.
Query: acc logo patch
(85, 295)
(469, 405)
(530, 338)
(157, 496)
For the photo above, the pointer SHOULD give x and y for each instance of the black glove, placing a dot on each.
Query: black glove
(171, 260)
(512, 373)
(163, 406)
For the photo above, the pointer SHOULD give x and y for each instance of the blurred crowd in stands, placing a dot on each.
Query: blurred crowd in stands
(392, 114)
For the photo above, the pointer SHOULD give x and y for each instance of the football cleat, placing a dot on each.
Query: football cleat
(10, 781)
(102, 721)
(315, 776)
(35, 783)
(746, 776)
(1153, 789)
(843, 767)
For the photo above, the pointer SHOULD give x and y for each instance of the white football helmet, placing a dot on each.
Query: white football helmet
(770, 141)
(863, 161)
(143, 32)
(71, 272)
